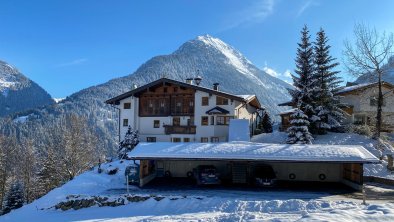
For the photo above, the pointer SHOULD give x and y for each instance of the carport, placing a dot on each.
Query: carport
(237, 162)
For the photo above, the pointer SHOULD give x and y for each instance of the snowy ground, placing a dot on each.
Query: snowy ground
(214, 204)
(201, 204)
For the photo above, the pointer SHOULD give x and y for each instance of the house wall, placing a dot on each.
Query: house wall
(179, 168)
(308, 171)
(211, 130)
(303, 171)
(360, 101)
(128, 114)
(145, 124)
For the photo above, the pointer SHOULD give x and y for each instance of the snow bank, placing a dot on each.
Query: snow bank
(241, 207)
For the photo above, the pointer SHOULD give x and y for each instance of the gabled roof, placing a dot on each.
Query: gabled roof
(362, 86)
(217, 110)
(135, 92)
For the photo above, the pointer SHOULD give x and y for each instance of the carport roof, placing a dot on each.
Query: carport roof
(250, 151)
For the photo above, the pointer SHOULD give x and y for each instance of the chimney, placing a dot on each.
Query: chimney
(189, 81)
(197, 80)
(216, 86)
(134, 86)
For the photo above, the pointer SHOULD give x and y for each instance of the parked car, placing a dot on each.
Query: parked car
(265, 176)
(132, 173)
(206, 174)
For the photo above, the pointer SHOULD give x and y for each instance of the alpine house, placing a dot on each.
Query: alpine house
(191, 131)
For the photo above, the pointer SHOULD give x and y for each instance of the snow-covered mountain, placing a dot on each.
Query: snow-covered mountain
(388, 76)
(215, 60)
(218, 62)
(18, 93)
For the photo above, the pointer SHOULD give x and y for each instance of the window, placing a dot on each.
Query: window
(176, 140)
(125, 122)
(214, 139)
(204, 120)
(223, 120)
(165, 89)
(186, 140)
(156, 123)
(190, 122)
(359, 119)
(176, 121)
(221, 101)
(204, 139)
(212, 120)
(175, 89)
(204, 101)
(373, 101)
(126, 105)
(151, 139)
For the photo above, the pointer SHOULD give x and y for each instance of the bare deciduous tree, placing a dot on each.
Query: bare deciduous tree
(367, 55)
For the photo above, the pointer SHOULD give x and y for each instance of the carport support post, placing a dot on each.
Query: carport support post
(127, 183)
(364, 196)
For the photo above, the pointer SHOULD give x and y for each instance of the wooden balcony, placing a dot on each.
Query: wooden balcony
(169, 129)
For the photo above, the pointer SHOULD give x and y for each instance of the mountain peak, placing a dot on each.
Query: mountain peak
(9, 76)
(207, 44)
(17, 92)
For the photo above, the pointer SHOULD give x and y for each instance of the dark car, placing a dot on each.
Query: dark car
(264, 175)
(206, 174)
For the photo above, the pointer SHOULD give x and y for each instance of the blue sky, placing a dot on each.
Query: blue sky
(69, 45)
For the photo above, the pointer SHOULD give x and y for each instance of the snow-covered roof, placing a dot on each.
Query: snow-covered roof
(288, 111)
(238, 150)
(360, 86)
(246, 97)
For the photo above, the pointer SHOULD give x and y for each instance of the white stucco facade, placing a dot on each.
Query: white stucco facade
(212, 132)
(364, 110)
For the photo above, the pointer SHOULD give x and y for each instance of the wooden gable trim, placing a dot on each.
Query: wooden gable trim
(138, 91)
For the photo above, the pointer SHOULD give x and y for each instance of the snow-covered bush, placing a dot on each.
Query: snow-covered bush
(298, 132)
(361, 129)
(131, 139)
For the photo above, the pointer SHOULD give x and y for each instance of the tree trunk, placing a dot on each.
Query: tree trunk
(380, 104)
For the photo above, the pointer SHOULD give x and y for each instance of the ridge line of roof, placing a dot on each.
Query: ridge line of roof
(131, 92)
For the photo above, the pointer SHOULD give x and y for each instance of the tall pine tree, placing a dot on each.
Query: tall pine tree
(15, 197)
(131, 139)
(303, 81)
(326, 85)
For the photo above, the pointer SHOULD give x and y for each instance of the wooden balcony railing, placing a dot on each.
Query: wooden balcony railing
(169, 129)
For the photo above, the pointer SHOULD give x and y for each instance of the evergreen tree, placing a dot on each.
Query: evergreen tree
(303, 81)
(266, 123)
(15, 198)
(326, 85)
(298, 132)
(130, 141)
